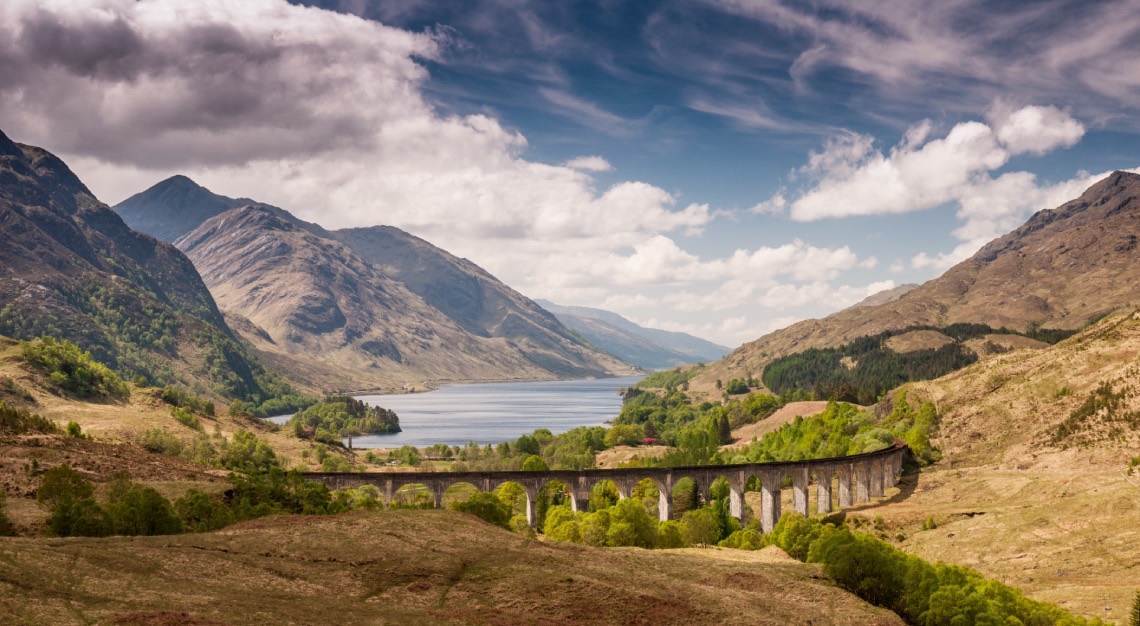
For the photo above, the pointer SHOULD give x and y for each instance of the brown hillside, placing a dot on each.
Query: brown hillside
(1056, 517)
(404, 567)
(1062, 267)
(336, 320)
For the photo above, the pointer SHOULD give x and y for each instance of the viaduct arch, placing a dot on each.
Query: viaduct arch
(859, 478)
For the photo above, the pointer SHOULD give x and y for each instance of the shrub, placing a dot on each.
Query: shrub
(141, 510)
(73, 370)
(186, 418)
(200, 513)
(745, 539)
(630, 525)
(62, 483)
(277, 492)
(178, 398)
(21, 422)
(247, 453)
(920, 592)
(488, 507)
(74, 430)
(6, 528)
(161, 441)
(81, 517)
(520, 526)
(670, 534)
(701, 526)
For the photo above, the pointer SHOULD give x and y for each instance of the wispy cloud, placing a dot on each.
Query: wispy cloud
(588, 114)
(962, 49)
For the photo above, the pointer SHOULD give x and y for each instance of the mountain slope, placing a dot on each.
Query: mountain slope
(336, 318)
(475, 300)
(1063, 267)
(646, 347)
(71, 268)
(173, 207)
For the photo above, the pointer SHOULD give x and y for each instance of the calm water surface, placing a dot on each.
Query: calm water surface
(490, 413)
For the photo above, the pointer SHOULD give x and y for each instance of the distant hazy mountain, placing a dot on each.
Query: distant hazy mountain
(1060, 269)
(71, 268)
(363, 308)
(646, 347)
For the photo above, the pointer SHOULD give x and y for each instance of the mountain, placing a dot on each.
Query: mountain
(645, 347)
(365, 308)
(1062, 268)
(71, 268)
(335, 318)
(174, 207)
(886, 295)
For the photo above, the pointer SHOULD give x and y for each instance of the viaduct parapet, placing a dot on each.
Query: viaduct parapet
(857, 479)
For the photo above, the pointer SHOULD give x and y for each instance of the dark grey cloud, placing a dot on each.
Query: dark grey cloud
(126, 83)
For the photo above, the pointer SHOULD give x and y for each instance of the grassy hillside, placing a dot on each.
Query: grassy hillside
(404, 567)
(1035, 486)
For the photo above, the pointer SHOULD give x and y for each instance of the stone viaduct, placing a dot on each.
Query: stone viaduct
(858, 478)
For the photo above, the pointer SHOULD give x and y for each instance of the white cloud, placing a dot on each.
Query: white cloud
(772, 206)
(850, 177)
(590, 164)
(854, 179)
(1035, 129)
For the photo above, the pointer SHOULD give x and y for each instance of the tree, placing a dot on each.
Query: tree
(488, 507)
(701, 526)
(143, 511)
(724, 431)
(631, 525)
(534, 463)
(62, 483)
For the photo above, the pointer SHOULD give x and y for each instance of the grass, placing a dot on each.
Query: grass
(422, 567)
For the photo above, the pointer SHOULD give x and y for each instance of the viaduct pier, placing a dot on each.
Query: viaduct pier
(856, 478)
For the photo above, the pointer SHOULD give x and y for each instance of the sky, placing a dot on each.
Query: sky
(718, 167)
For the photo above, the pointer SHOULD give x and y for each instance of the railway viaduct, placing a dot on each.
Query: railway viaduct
(856, 478)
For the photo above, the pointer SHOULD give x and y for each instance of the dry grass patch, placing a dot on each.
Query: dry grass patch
(403, 567)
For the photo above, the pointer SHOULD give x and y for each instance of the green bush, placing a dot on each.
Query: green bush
(200, 513)
(701, 526)
(141, 510)
(82, 517)
(278, 492)
(21, 422)
(488, 507)
(161, 441)
(247, 453)
(178, 398)
(6, 528)
(920, 592)
(186, 418)
(63, 483)
(73, 370)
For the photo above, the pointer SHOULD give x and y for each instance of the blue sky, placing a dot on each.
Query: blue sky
(722, 167)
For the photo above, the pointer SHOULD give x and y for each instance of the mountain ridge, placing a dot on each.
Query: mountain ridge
(364, 308)
(1060, 269)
